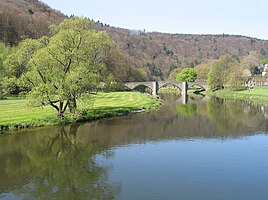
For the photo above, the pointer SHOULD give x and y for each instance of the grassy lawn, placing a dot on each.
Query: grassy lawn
(256, 94)
(15, 113)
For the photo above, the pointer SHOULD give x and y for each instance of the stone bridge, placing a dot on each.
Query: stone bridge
(156, 85)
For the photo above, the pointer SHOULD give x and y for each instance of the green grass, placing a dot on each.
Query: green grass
(15, 113)
(255, 94)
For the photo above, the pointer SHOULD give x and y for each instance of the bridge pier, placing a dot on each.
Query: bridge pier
(184, 88)
(184, 98)
(154, 88)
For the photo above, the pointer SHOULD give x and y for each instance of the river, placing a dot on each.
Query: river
(206, 149)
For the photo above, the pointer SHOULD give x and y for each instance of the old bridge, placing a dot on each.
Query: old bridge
(156, 85)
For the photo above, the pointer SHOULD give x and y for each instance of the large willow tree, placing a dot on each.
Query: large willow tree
(61, 67)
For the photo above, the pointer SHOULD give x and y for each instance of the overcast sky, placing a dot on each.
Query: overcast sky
(240, 17)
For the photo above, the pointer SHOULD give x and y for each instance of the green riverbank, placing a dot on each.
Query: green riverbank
(16, 114)
(254, 94)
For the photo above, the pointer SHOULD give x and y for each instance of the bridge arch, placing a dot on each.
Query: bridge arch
(142, 88)
(152, 85)
(162, 84)
(156, 85)
(202, 85)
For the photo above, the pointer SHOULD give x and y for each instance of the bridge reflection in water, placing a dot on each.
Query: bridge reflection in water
(186, 99)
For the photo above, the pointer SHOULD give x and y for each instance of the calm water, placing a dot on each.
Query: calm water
(206, 149)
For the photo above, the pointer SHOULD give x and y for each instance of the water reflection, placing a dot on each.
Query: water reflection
(61, 163)
(187, 110)
(60, 166)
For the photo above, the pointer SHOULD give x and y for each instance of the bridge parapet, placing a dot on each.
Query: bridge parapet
(133, 85)
(165, 83)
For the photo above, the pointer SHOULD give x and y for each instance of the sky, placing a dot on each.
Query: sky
(238, 17)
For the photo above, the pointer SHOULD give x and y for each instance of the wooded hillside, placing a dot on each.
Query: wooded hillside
(160, 53)
(153, 55)
(20, 19)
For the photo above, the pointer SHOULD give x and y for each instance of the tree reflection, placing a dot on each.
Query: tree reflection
(186, 110)
(61, 167)
(230, 115)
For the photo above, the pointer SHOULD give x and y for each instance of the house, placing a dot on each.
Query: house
(264, 69)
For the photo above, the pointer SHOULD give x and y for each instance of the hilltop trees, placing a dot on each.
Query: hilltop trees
(202, 70)
(250, 63)
(2, 50)
(58, 69)
(229, 71)
(5, 52)
(16, 64)
(187, 75)
(220, 71)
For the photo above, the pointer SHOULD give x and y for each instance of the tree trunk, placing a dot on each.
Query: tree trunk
(72, 104)
(60, 116)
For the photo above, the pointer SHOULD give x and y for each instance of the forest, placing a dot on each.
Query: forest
(144, 55)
